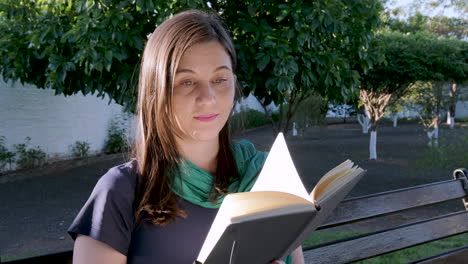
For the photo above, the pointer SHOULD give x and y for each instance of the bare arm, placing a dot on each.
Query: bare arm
(90, 251)
(297, 256)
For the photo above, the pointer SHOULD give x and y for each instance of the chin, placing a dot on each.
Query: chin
(204, 136)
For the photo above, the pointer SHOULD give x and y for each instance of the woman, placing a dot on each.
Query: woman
(158, 207)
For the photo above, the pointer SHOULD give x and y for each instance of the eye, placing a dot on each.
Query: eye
(218, 81)
(187, 83)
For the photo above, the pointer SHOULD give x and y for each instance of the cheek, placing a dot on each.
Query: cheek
(228, 96)
(181, 107)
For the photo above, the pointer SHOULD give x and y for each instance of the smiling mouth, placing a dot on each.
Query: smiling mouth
(206, 118)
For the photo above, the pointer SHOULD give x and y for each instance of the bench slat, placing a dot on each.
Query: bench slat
(54, 258)
(456, 256)
(378, 204)
(390, 240)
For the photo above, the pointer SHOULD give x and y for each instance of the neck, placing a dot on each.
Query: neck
(201, 153)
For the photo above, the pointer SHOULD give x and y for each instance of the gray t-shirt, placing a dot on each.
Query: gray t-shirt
(108, 217)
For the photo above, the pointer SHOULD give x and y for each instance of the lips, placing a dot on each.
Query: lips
(206, 118)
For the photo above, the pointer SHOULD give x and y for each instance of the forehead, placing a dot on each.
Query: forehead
(205, 55)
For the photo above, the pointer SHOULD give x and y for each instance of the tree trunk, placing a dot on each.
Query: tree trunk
(451, 116)
(395, 120)
(364, 121)
(373, 145)
(434, 133)
(433, 137)
(454, 92)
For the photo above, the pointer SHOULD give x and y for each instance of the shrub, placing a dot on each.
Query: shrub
(254, 118)
(309, 112)
(246, 119)
(29, 157)
(116, 139)
(451, 153)
(80, 149)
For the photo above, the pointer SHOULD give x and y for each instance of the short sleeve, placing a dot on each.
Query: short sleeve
(108, 214)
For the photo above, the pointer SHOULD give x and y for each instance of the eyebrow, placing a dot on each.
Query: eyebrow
(191, 71)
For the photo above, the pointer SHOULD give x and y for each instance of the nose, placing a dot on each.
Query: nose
(206, 93)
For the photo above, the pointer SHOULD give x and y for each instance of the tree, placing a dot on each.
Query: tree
(450, 66)
(287, 49)
(290, 49)
(395, 108)
(427, 100)
(440, 25)
(409, 58)
(403, 65)
(88, 46)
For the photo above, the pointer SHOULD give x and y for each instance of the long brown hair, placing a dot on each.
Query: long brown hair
(155, 148)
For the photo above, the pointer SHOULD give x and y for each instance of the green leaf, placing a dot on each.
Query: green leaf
(262, 63)
(251, 10)
(282, 15)
(108, 55)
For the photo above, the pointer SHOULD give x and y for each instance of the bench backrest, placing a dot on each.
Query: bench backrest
(396, 238)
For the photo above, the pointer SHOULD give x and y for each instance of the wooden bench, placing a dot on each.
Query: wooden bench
(379, 242)
(387, 240)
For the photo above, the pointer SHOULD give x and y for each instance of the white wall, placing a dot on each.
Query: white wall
(54, 122)
(251, 102)
(462, 109)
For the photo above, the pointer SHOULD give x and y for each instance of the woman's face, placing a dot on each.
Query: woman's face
(203, 93)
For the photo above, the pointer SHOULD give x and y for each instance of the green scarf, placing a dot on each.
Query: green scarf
(195, 184)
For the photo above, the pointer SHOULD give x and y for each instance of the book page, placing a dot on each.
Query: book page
(334, 179)
(279, 173)
(327, 203)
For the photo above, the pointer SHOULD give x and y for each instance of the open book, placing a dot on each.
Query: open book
(277, 215)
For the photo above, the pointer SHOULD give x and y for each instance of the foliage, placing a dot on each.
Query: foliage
(409, 58)
(309, 112)
(286, 48)
(80, 149)
(247, 118)
(451, 154)
(397, 107)
(254, 118)
(116, 138)
(446, 27)
(289, 49)
(6, 156)
(27, 157)
(427, 99)
(88, 46)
